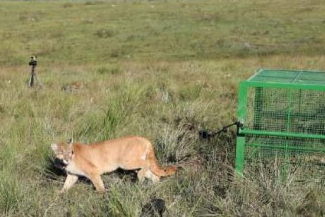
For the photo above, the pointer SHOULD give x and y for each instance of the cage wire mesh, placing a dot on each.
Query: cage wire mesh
(286, 110)
(283, 113)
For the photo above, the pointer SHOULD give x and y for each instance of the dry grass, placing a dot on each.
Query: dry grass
(165, 101)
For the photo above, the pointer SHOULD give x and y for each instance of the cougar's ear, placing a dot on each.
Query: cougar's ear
(54, 147)
(70, 141)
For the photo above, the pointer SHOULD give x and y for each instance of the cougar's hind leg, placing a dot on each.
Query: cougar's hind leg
(152, 176)
(141, 175)
(146, 173)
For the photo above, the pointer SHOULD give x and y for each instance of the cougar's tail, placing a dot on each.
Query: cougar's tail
(156, 169)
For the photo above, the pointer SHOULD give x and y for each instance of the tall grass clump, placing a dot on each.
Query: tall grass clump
(111, 69)
(12, 194)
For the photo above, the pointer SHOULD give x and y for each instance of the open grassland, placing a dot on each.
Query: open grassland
(98, 31)
(160, 69)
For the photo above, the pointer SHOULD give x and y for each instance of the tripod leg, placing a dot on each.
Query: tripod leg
(36, 80)
(31, 81)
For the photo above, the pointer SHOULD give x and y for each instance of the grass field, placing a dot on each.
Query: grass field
(160, 69)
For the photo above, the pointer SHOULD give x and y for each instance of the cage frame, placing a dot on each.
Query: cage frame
(242, 110)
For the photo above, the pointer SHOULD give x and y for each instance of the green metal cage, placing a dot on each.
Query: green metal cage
(283, 117)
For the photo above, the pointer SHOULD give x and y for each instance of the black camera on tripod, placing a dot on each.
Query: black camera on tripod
(33, 61)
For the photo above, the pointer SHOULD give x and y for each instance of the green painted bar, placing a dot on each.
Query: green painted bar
(240, 154)
(282, 134)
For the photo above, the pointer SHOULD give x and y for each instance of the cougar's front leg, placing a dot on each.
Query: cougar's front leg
(69, 181)
(98, 183)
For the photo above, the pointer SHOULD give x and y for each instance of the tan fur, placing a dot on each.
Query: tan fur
(128, 153)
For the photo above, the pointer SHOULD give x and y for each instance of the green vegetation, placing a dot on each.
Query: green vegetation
(160, 69)
(98, 31)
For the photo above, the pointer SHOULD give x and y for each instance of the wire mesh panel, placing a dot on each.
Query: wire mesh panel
(300, 157)
(283, 116)
(285, 110)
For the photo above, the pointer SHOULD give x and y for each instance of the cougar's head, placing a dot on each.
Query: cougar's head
(63, 151)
